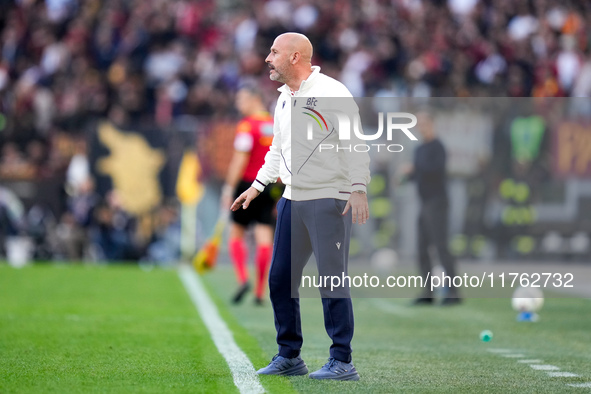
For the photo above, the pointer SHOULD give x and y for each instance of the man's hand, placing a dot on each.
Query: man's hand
(359, 207)
(245, 198)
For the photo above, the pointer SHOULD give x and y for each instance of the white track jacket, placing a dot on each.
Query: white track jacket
(322, 172)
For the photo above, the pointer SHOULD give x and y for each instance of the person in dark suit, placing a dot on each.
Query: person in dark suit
(429, 172)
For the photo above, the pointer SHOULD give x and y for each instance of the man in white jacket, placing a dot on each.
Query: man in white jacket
(325, 193)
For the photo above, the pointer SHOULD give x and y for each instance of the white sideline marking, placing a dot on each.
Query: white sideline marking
(519, 355)
(537, 361)
(545, 367)
(500, 350)
(562, 374)
(245, 377)
(583, 385)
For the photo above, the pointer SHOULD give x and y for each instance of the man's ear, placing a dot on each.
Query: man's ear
(295, 57)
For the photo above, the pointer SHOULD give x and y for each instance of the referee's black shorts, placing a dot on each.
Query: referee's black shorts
(260, 209)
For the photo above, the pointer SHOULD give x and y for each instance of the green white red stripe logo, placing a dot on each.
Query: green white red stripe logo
(316, 118)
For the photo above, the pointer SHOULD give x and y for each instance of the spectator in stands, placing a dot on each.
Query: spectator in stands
(469, 44)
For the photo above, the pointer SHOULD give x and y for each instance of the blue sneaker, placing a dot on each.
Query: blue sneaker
(336, 370)
(285, 366)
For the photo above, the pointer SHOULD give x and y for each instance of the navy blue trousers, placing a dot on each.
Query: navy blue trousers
(303, 228)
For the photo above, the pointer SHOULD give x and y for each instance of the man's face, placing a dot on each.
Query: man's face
(426, 126)
(278, 61)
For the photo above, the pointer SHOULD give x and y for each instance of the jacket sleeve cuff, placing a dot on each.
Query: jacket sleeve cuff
(260, 186)
(359, 186)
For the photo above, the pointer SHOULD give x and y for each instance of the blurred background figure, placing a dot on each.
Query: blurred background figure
(254, 135)
(12, 221)
(72, 232)
(429, 171)
(164, 246)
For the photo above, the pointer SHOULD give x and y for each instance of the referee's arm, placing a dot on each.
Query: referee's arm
(268, 173)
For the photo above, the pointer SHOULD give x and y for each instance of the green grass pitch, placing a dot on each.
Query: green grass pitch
(119, 329)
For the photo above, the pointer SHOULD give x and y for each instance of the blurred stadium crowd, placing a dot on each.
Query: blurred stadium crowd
(65, 64)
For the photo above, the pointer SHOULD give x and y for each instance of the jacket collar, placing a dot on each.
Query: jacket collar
(305, 85)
